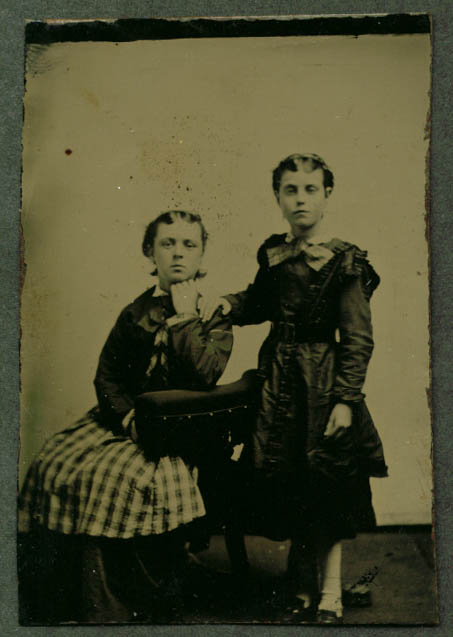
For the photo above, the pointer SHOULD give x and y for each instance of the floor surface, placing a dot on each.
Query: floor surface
(402, 591)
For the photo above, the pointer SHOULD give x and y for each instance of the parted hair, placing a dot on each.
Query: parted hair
(302, 161)
(168, 217)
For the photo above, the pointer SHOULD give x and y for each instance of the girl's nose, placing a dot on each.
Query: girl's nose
(300, 196)
(177, 250)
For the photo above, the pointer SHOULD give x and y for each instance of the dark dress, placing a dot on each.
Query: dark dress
(316, 355)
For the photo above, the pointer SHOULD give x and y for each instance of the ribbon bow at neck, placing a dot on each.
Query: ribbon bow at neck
(316, 255)
(154, 321)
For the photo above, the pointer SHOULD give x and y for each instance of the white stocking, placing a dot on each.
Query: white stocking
(330, 566)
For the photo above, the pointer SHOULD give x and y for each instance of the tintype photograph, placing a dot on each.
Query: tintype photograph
(225, 364)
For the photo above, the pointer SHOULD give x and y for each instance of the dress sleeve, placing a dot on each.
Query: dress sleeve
(356, 333)
(110, 380)
(253, 305)
(203, 349)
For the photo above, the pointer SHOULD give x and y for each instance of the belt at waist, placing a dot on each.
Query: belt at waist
(287, 331)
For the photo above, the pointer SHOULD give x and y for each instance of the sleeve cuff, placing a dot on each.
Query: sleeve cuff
(180, 318)
(349, 399)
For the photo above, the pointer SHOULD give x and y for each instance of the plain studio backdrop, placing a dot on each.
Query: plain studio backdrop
(116, 133)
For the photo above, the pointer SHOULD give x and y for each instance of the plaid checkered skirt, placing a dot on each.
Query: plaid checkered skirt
(88, 480)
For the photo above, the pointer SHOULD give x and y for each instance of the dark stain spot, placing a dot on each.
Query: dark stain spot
(68, 151)
(131, 177)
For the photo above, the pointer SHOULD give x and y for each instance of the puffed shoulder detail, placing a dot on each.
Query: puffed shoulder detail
(355, 264)
(338, 245)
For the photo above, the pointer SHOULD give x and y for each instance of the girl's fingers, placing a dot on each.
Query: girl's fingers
(225, 305)
(210, 309)
(201, 306)
(208, 306)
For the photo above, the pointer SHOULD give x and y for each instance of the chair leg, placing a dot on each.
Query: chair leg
(237, 552)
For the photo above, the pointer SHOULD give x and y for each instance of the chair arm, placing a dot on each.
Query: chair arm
(187, 403)
(177, 421)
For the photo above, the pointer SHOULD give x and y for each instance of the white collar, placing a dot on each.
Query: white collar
(158, 291)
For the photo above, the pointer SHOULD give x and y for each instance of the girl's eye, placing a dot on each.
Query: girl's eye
(311, 189)
(189, 244)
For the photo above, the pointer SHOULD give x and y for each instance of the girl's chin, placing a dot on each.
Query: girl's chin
(181, 278)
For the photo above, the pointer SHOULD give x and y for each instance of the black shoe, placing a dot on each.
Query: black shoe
(297, 613)
(358, 595)
(328, 617)
(356, 599)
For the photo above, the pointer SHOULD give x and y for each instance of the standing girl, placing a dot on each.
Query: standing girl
(314, 444)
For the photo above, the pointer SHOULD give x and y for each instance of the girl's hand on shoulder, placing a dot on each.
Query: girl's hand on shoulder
(340, 418)
(208, 304)
(184, 296)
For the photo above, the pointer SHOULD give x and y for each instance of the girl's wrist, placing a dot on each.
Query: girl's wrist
(179, 317)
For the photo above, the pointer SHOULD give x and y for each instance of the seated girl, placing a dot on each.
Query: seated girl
(102, 527)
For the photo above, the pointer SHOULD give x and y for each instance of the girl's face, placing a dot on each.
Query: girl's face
(303, 199)
(177, 252)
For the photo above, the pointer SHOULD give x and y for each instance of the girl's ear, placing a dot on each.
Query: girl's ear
(328, 191)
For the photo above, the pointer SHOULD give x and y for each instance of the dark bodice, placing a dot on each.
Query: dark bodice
(316, 355)
(195, 354)
(319, 345)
